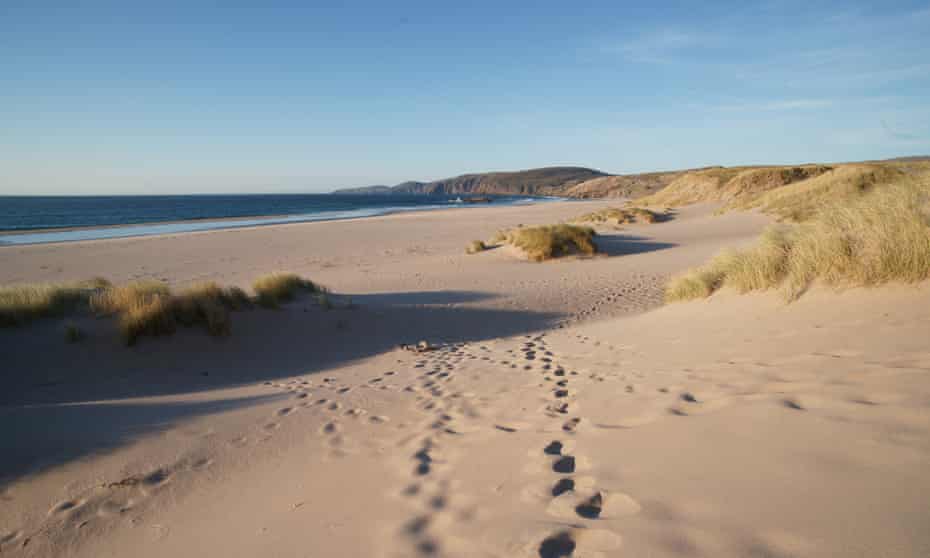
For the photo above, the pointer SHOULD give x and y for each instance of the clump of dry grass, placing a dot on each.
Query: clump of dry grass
(620, 216)
(273, 289)
(476, 246)
(875, 238)
(550, 241)
(115, 299)
(22, 303)
(147, 317)
(146, 307)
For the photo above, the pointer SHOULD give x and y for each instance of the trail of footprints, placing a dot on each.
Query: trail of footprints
(575, 501)
(573, 498)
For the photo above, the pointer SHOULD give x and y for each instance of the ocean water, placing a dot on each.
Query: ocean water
(94, 217)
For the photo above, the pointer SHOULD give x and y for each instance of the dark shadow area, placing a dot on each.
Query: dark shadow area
(42, 436)
(53, 389)
(626, 244)
(422, 298)
(666, 216)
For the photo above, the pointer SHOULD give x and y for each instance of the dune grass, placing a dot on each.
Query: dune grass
(620, 216)
(878, 237)
(476, 246)
(550, 241)
(148, 308)
(273, 289)
(800, 201)
(20, 304)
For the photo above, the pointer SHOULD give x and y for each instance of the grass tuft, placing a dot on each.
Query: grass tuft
(620, 216)
(877, 237)
(152, 316)
(113, 300)
(273, 289)
(550, 241)
(20, 304)
(476, 246)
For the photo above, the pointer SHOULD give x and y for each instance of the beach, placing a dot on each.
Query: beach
(560, 409)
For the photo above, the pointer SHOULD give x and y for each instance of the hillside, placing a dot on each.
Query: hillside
(735, 186)
(549, 181)
(624, 185)
(365, 190)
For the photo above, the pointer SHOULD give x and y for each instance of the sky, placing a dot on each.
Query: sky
(191, 96)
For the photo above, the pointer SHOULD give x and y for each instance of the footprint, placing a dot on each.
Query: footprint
(285, 411)
(559, 545)
(564, 465)
(157, 477)
(591, 508)
(571, 425)
(66, 506)
(554, 448)
(10, 537)
(563, 486)
(793, 403)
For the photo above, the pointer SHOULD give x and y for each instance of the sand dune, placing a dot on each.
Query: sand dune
(562, 412)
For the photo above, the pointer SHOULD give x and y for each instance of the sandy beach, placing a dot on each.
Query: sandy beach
(564, 411)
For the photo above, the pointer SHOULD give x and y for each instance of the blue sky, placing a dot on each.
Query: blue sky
(189, 96)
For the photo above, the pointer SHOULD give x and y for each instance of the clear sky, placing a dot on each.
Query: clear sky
(185, 96)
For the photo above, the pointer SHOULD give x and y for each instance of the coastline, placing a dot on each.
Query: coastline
(153, 228)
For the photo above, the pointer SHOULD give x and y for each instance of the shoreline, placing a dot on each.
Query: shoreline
(206, 224)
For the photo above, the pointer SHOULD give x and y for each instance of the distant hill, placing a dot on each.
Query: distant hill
(365, 190)
(549, 181)
(669, 187)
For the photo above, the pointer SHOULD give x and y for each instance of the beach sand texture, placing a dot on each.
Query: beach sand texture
(562, 410)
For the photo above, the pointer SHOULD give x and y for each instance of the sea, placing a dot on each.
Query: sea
(42, 219)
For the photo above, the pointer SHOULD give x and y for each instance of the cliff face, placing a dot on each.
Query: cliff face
(550, 181)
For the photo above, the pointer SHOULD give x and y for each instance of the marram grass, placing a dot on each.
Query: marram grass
(880, 236)
(550, 241)
(146, 308)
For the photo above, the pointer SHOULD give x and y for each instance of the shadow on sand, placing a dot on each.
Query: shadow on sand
(64, 401)
(627, 244)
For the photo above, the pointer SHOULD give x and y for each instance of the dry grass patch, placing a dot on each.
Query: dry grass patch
(273, 289)
(115, 299)
(20, 304)
(476, 246)
(734, 186)
(620, 216)
(550, 241)
(877, 237)
(147, 308)
(801, 200)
